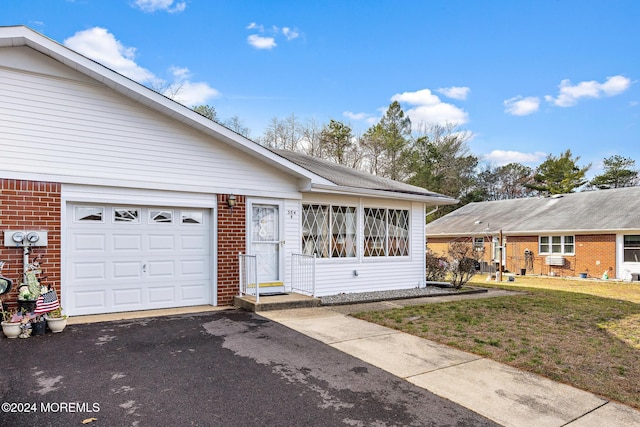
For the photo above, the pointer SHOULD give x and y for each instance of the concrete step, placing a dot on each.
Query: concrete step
(275, 302)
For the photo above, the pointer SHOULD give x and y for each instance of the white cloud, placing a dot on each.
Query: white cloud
(260, 42)
(194, 93)
(455, 92)
(255, 26)
(519, 106)
(266, 38)
(430, 109)
(102, 46)
(150, 6)
(355, 116)
(504, 157)
(569, 94)
(289, 33)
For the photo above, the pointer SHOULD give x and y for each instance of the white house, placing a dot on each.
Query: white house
(142, 203)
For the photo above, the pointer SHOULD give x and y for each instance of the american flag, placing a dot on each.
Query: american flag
(46, 302)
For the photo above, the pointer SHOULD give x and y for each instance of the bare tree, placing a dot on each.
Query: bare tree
(463, 259)
(237, 125)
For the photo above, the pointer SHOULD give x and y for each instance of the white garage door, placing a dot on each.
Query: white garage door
(125, 258)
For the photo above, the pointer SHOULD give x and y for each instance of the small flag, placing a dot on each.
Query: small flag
(47, 302)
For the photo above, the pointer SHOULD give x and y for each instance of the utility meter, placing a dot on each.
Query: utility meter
(18, 237)
(33, 237)
(13, 238)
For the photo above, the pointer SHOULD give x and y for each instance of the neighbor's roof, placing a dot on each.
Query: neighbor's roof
(589, 211)
(353, 180)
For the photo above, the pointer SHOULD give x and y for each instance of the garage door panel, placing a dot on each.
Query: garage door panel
(126, 243)
(123, 270)
(193, 243)
(89, 301)
(83, 271)
(125, 266)
(89, 242)
(192, 293)
(166, 269)
(127, 298)
(161, 242)
(194, 268)
(162, 294)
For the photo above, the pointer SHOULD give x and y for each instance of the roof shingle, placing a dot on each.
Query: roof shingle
(593, 211)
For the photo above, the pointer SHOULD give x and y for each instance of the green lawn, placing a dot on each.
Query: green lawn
(588, 341)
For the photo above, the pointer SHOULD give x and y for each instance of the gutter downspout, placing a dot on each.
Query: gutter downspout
(433, 211)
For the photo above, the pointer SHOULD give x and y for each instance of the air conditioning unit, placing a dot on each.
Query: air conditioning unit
(554, 260)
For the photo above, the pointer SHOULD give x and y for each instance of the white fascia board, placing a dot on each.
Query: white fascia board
(24, 36)
(383, 194)
(140, 185)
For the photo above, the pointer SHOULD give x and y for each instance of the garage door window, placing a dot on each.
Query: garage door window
(160, 216)
(88, 214)
(191, 217)
(126, 215)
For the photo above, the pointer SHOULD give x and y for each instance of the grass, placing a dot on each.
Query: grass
(582, 333)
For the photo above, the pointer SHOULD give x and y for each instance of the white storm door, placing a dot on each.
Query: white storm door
(264, 241)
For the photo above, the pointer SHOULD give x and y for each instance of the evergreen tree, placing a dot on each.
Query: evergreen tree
(559, 175)
(618, 172)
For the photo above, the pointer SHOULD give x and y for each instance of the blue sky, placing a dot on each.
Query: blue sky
(524, 78)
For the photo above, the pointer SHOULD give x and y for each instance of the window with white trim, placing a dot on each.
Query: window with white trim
(329, 231)
(632, 248)
(556, 245)
(386, 232)
(478, 243)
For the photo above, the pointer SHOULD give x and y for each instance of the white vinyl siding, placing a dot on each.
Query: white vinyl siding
(73, 131)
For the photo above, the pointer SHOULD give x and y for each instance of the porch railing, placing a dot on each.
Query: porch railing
(248, 265)
(303, 274)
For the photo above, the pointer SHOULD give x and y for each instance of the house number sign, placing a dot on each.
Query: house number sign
(292, 213)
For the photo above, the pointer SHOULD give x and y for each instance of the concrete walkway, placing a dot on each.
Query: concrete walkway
(503, 394)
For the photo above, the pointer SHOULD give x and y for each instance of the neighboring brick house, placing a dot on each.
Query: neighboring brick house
(147, 204)
(576, 234)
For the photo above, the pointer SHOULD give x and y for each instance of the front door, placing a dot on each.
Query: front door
(265, 243)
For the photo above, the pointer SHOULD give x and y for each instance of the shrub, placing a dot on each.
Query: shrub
(436, 270)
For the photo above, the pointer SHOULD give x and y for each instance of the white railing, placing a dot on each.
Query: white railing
(303, 274)
(248, 266)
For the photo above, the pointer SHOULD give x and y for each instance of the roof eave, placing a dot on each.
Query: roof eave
(383, 194)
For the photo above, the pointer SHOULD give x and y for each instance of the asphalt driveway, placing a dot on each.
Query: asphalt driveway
(228, 368)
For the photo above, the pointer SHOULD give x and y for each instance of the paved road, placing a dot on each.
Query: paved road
(227, 368)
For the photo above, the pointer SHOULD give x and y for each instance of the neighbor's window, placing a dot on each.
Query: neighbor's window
(329, 231)
(632, 248)
(478, 243)
(386, 232)
(556, 244)
(88, 213)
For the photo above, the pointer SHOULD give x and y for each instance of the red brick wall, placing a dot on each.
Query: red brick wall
(231, 242)
(594, 253)
(30, 205)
